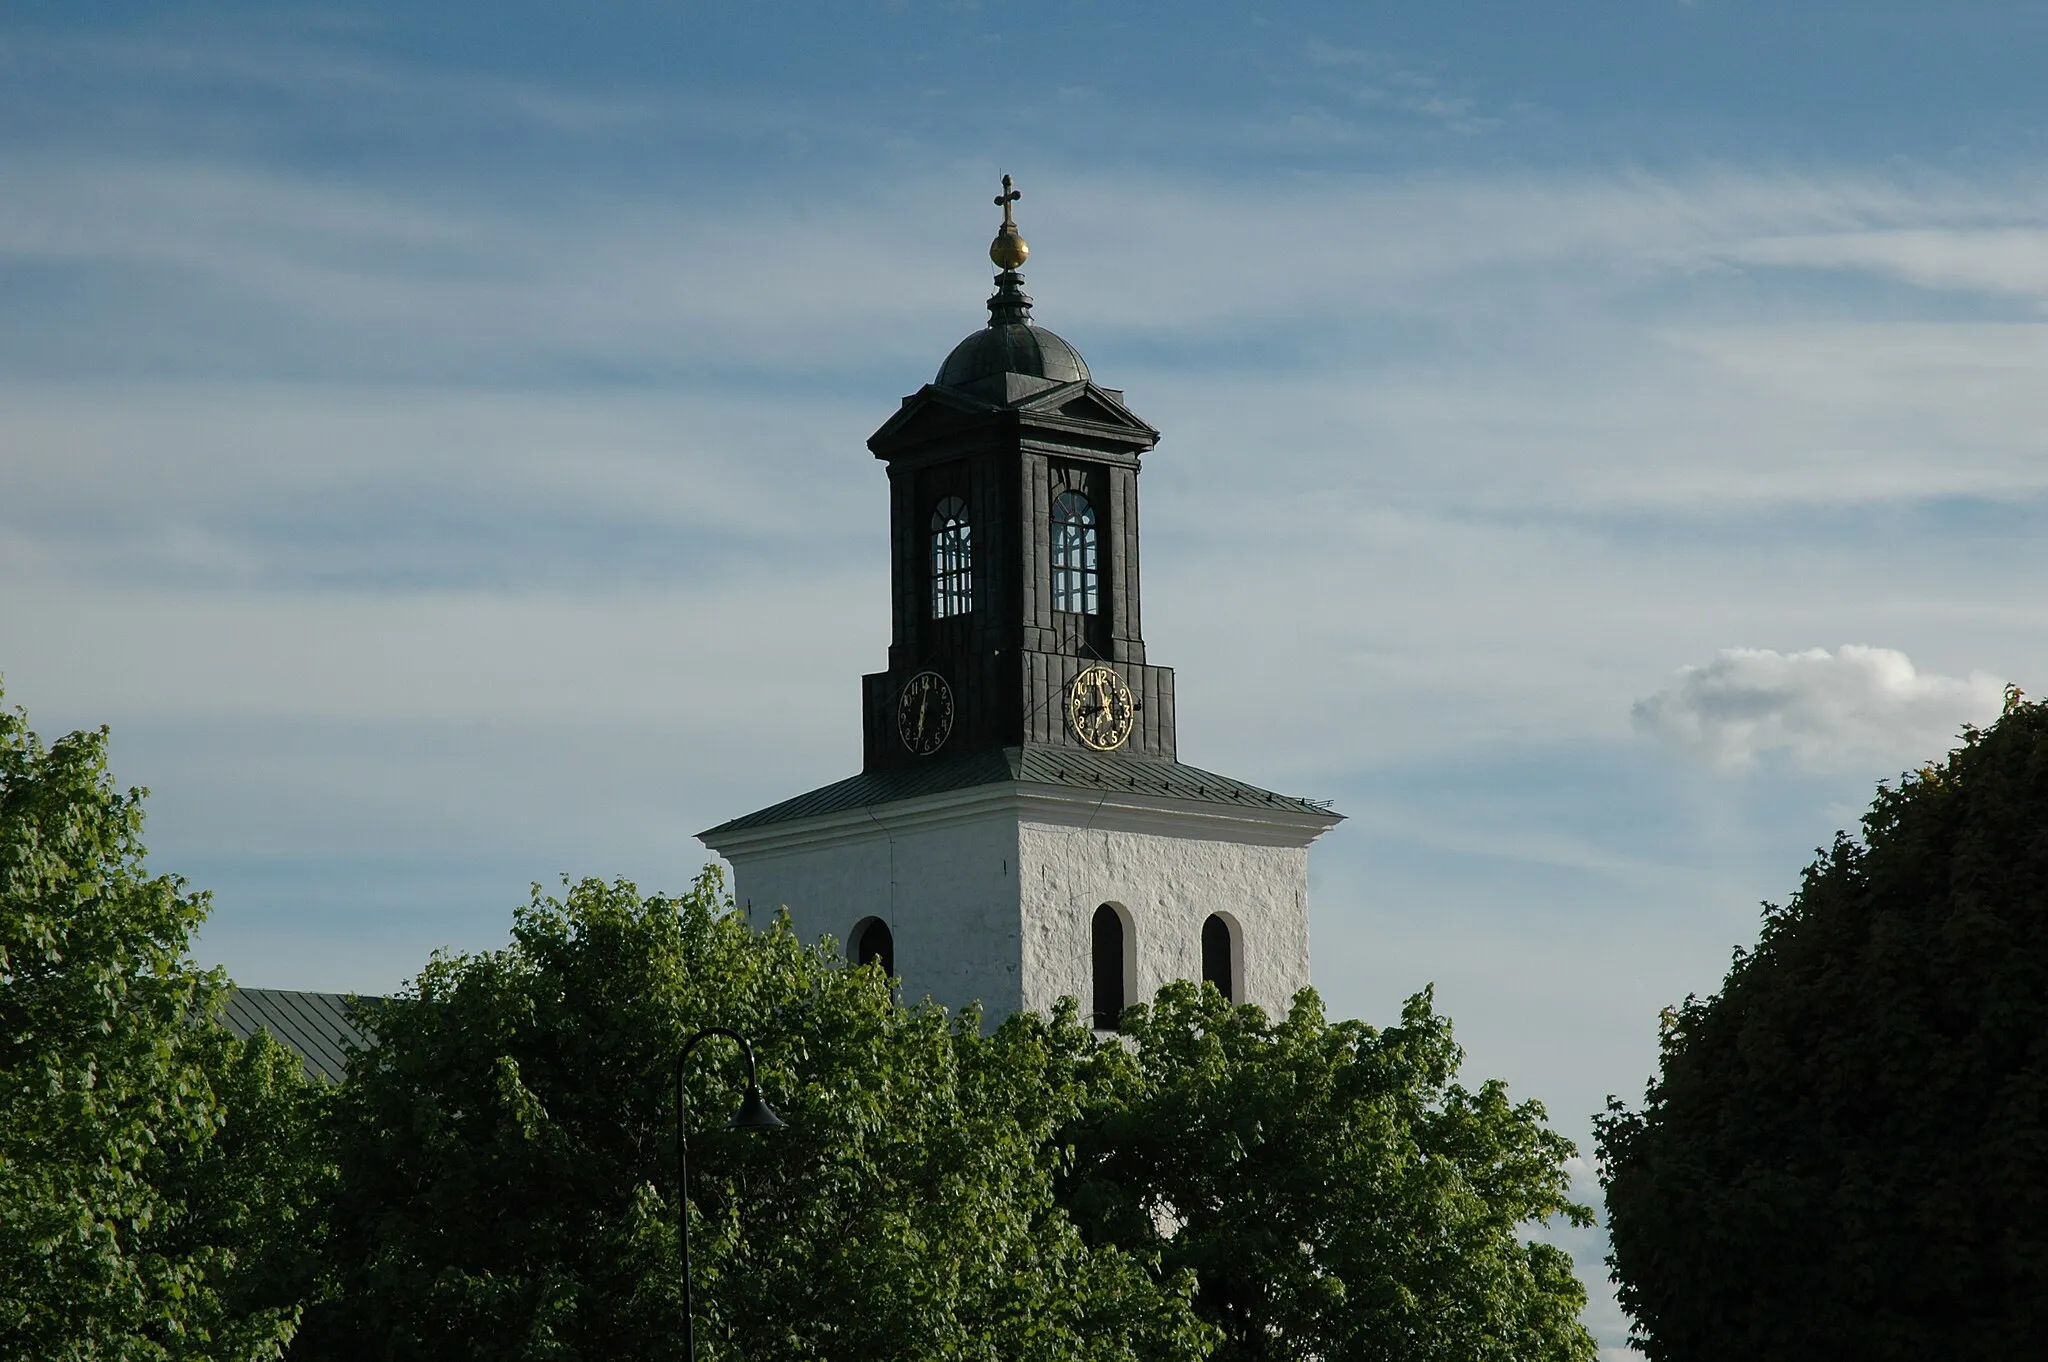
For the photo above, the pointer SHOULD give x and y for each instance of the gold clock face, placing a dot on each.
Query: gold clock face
(1100, 708)
(924, 713)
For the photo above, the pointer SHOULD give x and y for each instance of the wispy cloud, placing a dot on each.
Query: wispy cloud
(1570, 342)
(1996, 261)
(384, 278)
(1379, 80)
(284, 487)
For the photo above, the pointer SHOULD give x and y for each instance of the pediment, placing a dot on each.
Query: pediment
(1094, 405)
(1086, 408)
(935, 413)
(930, 413)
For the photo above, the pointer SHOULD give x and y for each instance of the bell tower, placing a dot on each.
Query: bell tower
(1021, 828)
(1013, 513)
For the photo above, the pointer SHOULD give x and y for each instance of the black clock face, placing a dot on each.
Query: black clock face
(924, 713)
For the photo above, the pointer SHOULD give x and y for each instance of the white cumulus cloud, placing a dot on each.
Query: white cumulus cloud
(1854, 706)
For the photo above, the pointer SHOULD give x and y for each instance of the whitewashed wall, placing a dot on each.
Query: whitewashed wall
(947, 889)
(990, 893)
(1167, 887)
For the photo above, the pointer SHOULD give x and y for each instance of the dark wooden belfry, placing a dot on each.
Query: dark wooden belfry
(1012, 424)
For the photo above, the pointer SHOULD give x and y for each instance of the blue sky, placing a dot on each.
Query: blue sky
(413, 418)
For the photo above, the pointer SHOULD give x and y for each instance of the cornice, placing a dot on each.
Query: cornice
(1030, 802)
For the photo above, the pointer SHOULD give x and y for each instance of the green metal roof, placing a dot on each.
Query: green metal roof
(317, 1027)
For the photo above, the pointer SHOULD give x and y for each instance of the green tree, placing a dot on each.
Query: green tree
(1846, 1151)
(1335, 1192)
(507, 1165)
(153, 1170)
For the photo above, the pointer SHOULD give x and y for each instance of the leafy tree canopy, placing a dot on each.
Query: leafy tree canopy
(1335, 1192)
(152, 1168)
(1846, 1151)
(508, 1184)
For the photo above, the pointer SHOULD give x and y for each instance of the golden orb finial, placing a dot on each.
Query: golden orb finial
(1008, 250)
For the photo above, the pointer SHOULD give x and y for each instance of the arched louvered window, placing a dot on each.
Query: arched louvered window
(952, 559)
(1110, 944)
(874, 944)
(1219, 956)
(1076, 576)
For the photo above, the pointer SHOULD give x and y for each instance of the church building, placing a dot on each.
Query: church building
(1021, 829)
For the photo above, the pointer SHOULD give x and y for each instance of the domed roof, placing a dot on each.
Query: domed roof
(1010, 344)
(1012, 348)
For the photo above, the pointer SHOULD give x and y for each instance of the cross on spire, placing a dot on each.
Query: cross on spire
(1008, 250)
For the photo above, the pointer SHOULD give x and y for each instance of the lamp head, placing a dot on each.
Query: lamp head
(754, 1113)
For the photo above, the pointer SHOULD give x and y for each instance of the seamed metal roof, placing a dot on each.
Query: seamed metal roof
(1031, 765)
(317, 1027)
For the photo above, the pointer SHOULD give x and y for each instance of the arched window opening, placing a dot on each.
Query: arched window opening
(873, 944)
(952, 559)
(1109, 968)
(1219, 956)
(1076, 575)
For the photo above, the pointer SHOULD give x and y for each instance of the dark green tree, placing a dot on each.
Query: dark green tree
(1845, 1154)
(154, 1171)
(1336, 1193)
(507, 1177)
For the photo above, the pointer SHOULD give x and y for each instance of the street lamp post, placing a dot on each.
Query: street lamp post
(754, 1114)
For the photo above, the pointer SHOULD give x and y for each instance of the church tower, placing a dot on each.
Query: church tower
(1021, 829)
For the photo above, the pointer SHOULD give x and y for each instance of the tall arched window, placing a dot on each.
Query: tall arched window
(1109, 968)
(1075, 575)
(874, 944)
(952, 559)
(1219, 956)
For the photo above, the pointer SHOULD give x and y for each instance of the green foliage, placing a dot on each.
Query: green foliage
(508, 1184)
(1335, 1192)
(1846, 1153)
(152, 1168)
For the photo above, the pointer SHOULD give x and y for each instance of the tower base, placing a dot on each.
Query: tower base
(990, 890)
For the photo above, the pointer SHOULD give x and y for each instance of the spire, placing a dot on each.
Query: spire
(1010, 306)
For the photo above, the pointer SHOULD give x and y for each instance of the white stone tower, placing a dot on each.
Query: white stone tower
(1021, 830)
